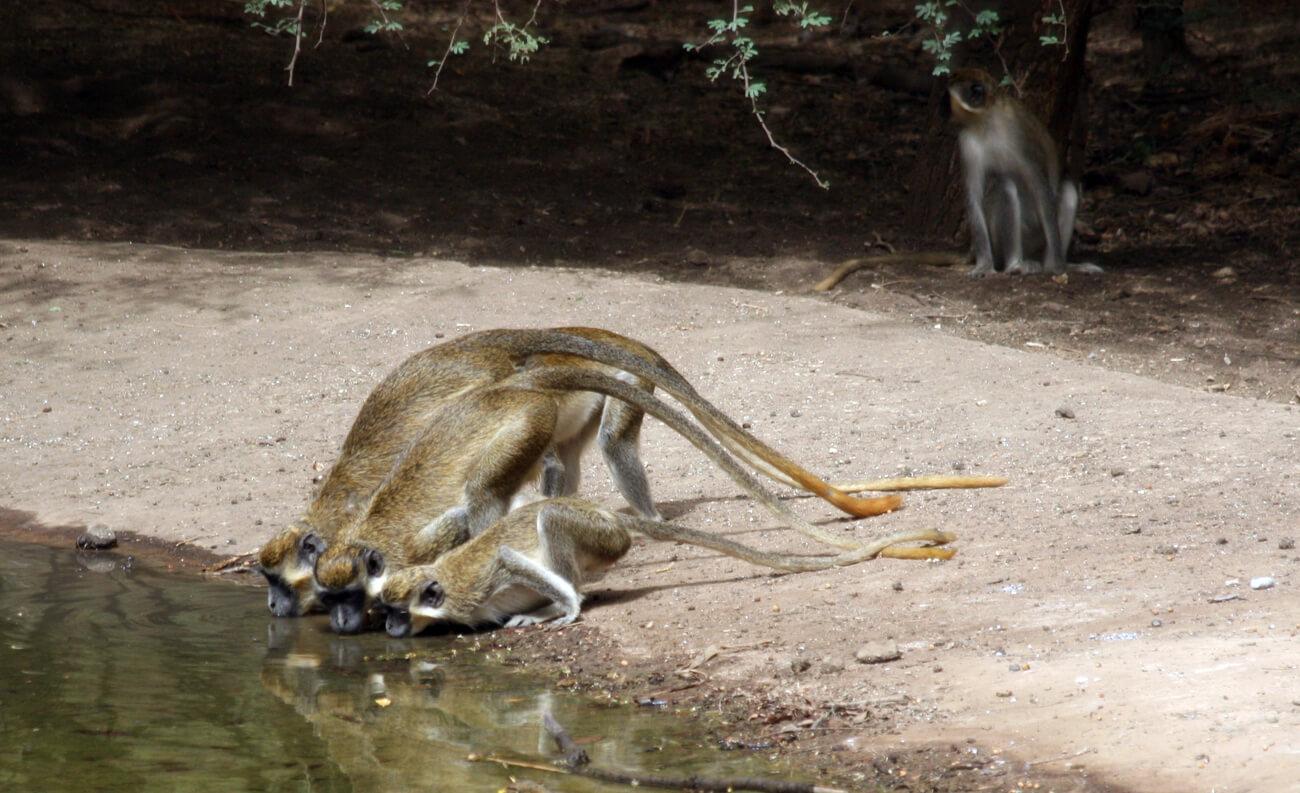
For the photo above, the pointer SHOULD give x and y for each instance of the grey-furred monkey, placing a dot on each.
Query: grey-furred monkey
(1021, 211)
(528, 566)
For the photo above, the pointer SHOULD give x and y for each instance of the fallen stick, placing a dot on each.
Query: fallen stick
(934, 259)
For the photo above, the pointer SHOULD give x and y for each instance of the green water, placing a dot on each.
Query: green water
(121, 678)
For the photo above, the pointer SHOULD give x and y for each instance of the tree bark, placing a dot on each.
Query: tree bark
(1052, 81)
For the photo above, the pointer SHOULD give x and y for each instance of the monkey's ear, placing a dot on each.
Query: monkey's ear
(374, 561)
(431, 594)
(310, 547)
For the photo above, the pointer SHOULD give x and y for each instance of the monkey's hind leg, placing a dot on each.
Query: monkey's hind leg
(523, 571)
(620, 443)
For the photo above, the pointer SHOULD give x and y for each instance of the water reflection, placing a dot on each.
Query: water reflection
(116, 679)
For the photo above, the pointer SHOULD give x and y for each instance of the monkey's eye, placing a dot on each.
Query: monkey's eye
(977, 92)
(431, 595)
(374, 563)
(310, 547)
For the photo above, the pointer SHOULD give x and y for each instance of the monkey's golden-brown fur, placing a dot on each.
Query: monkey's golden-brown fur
(401, 405)
(528, 566)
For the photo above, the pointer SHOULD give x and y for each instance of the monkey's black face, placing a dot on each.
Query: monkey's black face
(349, 610)
(397, 622)
(280, 599)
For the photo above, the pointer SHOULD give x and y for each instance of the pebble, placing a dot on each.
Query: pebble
(1286, 544)
(897, 586)
(1065, 412)
(1262, 582)
(1117, 472)
(97, 538)
(799, 665)
(1166, 550)
(878, 652)
(1156, 623)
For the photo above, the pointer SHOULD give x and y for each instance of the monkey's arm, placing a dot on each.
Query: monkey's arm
(522, 571)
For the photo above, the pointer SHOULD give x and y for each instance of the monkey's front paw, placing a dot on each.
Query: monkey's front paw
(981, 270)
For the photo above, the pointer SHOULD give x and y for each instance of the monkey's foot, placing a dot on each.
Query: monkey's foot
(1086, 267)
(1025, 267)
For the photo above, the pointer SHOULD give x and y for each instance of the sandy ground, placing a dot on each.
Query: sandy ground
(193, 396)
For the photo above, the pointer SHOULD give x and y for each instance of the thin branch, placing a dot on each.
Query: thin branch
(324, 18)
(447, 53)
(297, 41)
(758, 114)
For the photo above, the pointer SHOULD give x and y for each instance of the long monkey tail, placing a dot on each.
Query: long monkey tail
(660, 530)
(573, 379)
(598, 345)
(932, 258)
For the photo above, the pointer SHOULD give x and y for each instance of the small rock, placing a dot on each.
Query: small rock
(1004, 694)
(958, 466)
(1224, 272)
(1166, 550)
(897, 586)
(97, 538)
(800, 665)
(1138, 182)
(794, 414)
(1221, 541)
(1065, 412)
(1014, 668)
(878, 652)
(1117, 472)
(936, 669)
(697, 258)
(1156, 623)
(1286, 544)
(1262, 582)
(47, 409)
(829, 667)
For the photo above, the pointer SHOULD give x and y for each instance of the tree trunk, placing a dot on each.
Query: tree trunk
(1053, 84)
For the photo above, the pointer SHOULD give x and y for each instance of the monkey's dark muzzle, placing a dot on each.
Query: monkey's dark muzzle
(347, 611)
(280, 599)
(398, 623)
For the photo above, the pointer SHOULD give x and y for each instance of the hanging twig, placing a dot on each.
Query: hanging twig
(451, 43)
(297, 41)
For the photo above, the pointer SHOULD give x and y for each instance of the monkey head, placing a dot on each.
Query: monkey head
(350, 577)
(970, 94)
(286, 560)
(412, 600)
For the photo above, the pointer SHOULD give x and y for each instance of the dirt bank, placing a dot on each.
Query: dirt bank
(192, 396)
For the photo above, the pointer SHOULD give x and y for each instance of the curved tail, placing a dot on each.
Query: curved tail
(573, 379)
(635, 358)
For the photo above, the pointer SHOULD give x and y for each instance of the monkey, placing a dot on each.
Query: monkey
(391, 416)
(399, 406)
(1018, 204)
(528, 566)
(462, 473)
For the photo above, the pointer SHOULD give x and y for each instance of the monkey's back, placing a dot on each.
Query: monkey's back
(393, 415)
(488, 431)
